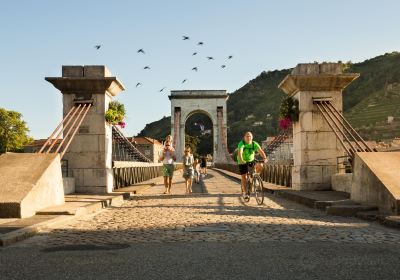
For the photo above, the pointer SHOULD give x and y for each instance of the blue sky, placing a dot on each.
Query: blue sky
(38, 37)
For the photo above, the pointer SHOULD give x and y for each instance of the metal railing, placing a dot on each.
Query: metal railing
(123, 149)
(343, 163)
(130, 173)
(281, 138)
(278, 174)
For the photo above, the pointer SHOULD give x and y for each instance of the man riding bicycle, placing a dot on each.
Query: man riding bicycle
(246, 152)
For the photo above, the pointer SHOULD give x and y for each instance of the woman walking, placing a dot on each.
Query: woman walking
(168, 157)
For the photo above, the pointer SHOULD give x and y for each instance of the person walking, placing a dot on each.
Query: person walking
(196, 167)
(246, 152)
(168, 158)
(188, 161)
(203, 165)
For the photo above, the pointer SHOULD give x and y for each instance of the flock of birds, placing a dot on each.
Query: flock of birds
(195, 68)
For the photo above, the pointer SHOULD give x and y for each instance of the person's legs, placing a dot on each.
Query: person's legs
(166, 184)
(169, 184)
(244, 183)
(187, 185)
(190, 184)
(243, 172)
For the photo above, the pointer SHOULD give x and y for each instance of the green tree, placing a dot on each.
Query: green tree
(192, 142)
(13, 131)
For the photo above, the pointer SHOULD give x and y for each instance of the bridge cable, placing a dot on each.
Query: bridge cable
(76, 129)
(70, 129)
(62, 130)
(55, 130)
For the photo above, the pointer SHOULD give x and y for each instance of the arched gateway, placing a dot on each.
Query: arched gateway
(185, 103)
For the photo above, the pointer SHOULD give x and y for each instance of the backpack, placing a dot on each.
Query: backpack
(235, 153)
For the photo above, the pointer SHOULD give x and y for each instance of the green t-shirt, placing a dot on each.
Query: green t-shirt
(248, 150)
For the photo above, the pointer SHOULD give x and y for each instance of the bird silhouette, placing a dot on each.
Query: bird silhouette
(229, 57)
(146, 67)
(194, 69)
(161, 89)
(97, 47)
(184, 81)
(185, 37)
(200, 43)
(210, 58)
(140, 51)
(194, 53)
(138, 84)
(223, 66)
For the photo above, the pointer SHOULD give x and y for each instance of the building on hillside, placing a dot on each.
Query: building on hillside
(266, 142)
(150, 147)
(35, 145)
(283, 154)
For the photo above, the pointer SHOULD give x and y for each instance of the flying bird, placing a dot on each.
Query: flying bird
(194, 53)
(185, 37)
(210, 58)
(229, 57)
(97, 47)
(140, 51)
(184, 81)
(194, 69)
(200, 43)
(146, 67)
(138, 84)
(161, 89)
(223, 66)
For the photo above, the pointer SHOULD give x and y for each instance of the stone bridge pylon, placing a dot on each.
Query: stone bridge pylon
(89, 155)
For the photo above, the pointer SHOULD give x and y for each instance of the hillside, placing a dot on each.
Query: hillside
(374, 96)
(367, 103)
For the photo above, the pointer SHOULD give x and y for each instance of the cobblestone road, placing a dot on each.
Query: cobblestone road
(214, 213)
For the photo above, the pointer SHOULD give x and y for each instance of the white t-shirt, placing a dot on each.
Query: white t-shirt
(188, 161)
(168, 159)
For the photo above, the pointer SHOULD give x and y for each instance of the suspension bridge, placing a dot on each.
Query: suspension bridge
(101, 159)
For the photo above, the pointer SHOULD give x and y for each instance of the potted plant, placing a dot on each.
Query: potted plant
(115, 114)
(288, 112)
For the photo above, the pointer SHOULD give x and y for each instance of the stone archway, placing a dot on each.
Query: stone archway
(212, 103)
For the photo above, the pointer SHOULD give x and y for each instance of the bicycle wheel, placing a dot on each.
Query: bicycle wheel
(258, 189)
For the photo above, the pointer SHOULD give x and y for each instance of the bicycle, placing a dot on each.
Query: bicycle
(254, 184)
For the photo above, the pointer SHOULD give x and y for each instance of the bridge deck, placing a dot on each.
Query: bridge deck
(214, 213)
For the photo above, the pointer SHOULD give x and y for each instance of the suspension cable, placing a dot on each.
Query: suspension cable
(62, 130)
(55, 130)
(76, 129)
(69, 130)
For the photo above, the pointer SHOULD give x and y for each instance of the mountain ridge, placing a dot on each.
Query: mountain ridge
(255, 105)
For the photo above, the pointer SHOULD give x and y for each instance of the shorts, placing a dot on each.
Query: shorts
(244, 168)
(188, 173)
(168, 170)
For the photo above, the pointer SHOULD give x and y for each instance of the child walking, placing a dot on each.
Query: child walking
(196, 167)
(188, 161)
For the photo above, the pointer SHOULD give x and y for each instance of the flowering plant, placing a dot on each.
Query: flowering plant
(288, 112)
(284, 123)
(122, 124)
(116, 113)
